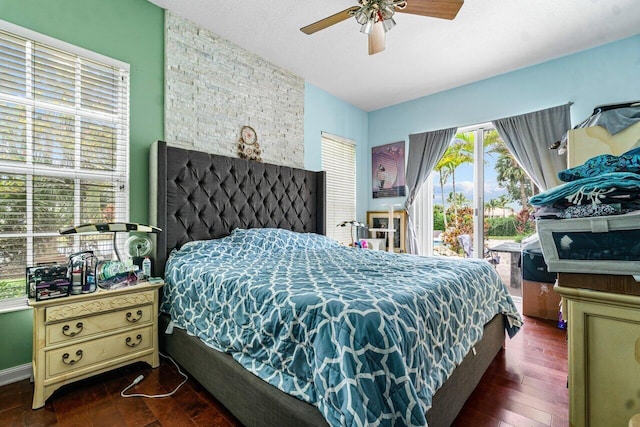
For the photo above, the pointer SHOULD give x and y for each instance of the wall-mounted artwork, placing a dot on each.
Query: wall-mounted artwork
(387, 166)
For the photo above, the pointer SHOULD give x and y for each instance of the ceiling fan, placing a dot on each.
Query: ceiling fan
(376, 16)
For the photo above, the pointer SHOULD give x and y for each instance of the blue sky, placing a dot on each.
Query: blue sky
(464, 181)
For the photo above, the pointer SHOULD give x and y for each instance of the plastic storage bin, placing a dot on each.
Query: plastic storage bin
(600, 245)
(534, 268)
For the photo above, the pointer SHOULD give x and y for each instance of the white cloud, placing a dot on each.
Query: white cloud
(491, 189)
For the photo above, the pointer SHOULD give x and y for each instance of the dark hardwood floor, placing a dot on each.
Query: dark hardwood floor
(524, 386)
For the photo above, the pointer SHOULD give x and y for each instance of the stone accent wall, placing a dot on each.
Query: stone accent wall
(213, 88)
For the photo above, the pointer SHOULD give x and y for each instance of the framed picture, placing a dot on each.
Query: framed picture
(387, 167)
(380, 219)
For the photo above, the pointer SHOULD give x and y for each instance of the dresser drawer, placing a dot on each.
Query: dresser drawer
(80, 356)
(86, 327)
(97, 305)
(88, 334)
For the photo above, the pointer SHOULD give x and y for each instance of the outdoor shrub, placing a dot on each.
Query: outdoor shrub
(505, 226)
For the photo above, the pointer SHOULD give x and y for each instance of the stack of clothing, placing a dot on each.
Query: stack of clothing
(604, 185)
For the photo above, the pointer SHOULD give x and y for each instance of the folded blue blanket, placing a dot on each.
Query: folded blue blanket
(605, 163)
(597, 189)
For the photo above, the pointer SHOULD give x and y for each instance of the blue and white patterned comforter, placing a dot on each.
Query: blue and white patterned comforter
(366, 336)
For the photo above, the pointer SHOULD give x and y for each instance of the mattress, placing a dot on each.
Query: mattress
(366, 336)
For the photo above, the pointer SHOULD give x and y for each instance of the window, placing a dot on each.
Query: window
(339, 162)
(64, 136)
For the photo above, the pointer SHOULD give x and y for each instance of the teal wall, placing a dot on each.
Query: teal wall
(15, 336)
(324, 112)
(606, 74)
(131, 31)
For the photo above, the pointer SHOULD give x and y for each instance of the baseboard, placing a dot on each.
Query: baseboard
(15, 374)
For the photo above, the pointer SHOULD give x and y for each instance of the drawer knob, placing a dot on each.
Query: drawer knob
(66, 361)
(133, 344)
(132, 319)
(65, 330)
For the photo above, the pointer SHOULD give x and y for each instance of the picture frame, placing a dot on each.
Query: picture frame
(387, 168)
(380, 219)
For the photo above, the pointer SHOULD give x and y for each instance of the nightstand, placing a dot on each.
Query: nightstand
(603, 314)
(79, 336)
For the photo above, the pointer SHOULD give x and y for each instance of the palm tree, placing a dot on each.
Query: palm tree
(491, 205)
(458, 199)
(443, 175)
(492, 138)
(502, 203)
(459, 152)
(511, 176)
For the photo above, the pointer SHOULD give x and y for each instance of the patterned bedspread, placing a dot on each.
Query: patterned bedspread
(366, 336)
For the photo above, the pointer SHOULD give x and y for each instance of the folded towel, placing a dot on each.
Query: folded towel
(596, 190)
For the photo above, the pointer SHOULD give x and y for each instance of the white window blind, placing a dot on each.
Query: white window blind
(339, 163)
(64, 136)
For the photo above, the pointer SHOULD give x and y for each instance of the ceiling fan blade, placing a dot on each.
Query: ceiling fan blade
(377, 39)
(329, 21)
(445, 9)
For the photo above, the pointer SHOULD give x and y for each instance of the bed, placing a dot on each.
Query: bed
(197, 197)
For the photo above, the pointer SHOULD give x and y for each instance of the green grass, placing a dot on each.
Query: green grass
(12, 288)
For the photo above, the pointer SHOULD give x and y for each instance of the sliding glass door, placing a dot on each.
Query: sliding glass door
(475, 202)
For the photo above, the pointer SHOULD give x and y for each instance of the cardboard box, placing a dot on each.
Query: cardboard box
(591, 141)
(540, 300)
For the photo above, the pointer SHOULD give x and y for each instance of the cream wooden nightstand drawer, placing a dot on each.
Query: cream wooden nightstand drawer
(83, 335)
(77, 358)
(604, 356)
(81, 328)
(90, 307)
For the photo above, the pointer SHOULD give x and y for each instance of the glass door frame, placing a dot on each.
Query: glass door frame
(478, 186)
(423, 207)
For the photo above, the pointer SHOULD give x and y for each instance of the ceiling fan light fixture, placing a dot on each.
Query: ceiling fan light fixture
(387, 11)
(374, 11)
(361, 17)
(367, 28)
(376, 17)
(388, 24)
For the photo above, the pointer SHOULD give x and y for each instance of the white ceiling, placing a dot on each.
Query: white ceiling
(423, 55)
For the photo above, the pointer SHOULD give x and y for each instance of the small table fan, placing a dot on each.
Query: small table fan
(138, 247)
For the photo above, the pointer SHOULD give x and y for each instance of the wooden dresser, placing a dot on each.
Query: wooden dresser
(80, 336)
(603, 313)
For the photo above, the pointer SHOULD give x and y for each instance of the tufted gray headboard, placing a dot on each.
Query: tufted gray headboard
(198, 196)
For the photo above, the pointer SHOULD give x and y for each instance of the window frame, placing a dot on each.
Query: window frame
(332, 228)
(77, 173)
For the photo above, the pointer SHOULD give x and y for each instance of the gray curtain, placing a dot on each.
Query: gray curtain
(425, 150)
(528, 137)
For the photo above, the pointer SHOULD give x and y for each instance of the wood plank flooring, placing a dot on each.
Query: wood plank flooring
(524, 386)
